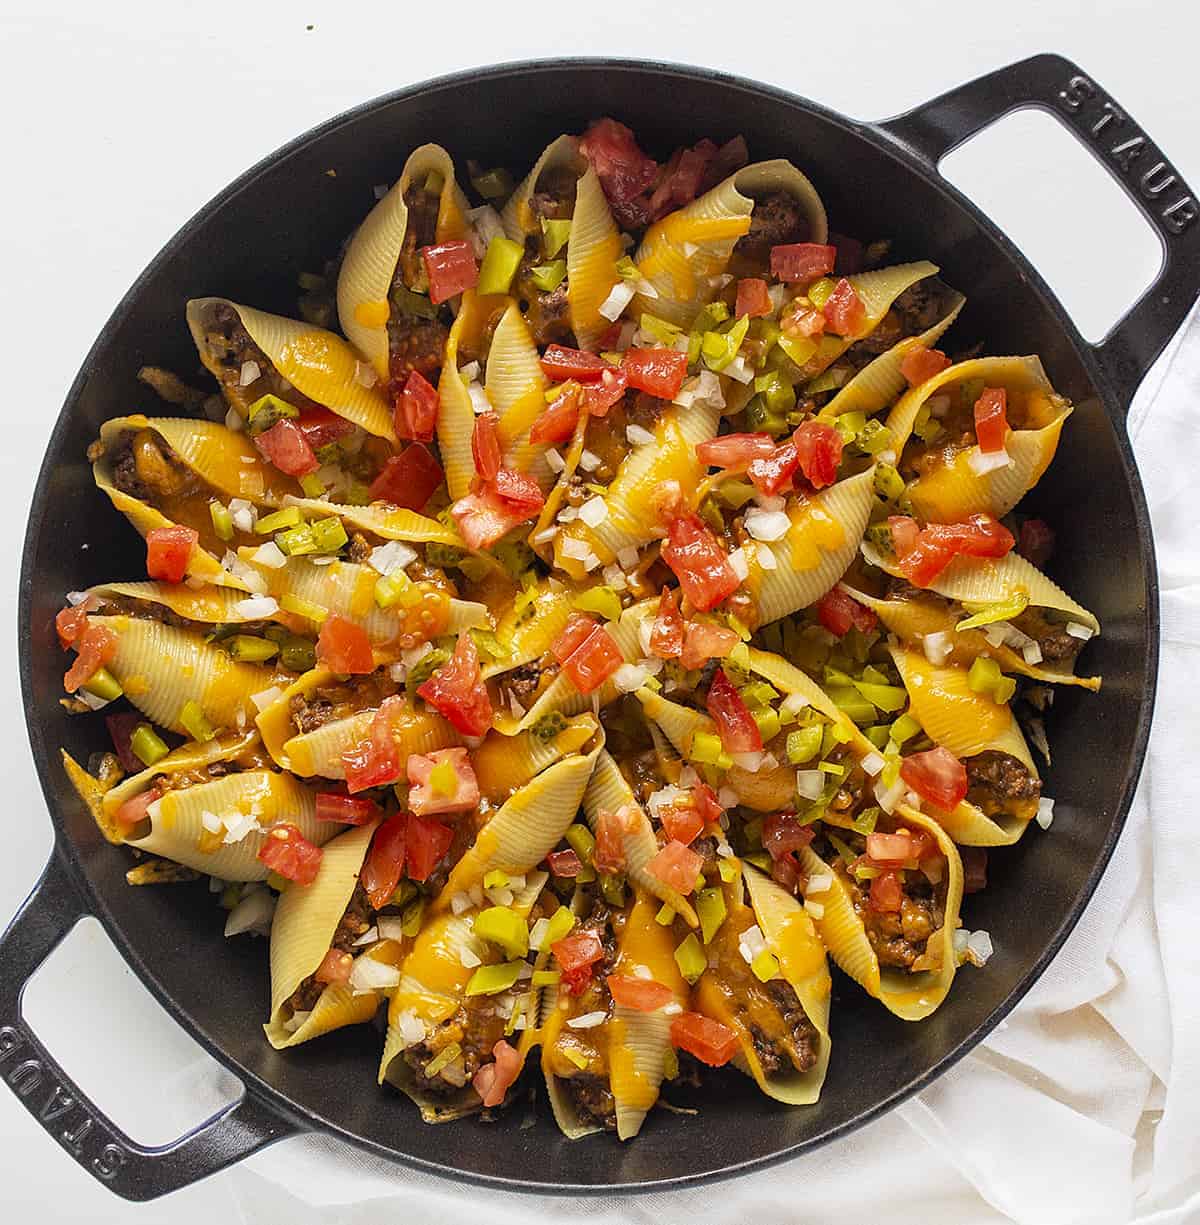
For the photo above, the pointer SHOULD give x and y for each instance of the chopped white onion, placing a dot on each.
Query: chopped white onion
(469, 373)
(996, 634)
(1045, 812)
(379, 190)
(411, 1027)
(485, 225)
(983, 462)
(250, 371)
(939, 405)
(739, 563)
(765, 557)
(269, 555)
(368, 974)
(794, 703)
(297, 1020)
(388, 558)
(979, 948)
(243, 514)
(554, 461)
(767, 524)
(644, 287)
(545, 536)
(1032, 653)
(589, 1020)
(370, 936)
(391, 927)
(211, 821)
(1082, 632)
(238, 826)
(501, 895)
(233, 421)
(397, 672)
(645, 629)
(589, 461)
(594, 511)
(479, 401)
(751, 762)
(937, 647)
(740, 369)
(468, 959)
(888, 797)
(413, 655)
(672, 1009)
(460, 903)
(815, 909)
(579, 550)
(728, 798)
(92, 701)
(255, 608)
(637, 436)
(770, 501)
(872, 763)
(752, 942)
(809, 783)
(627, 558)
(819, 882)
(568, 514)
(664, 797)
(629, 677)
(620, 297)
(364, 374)
(252, 914)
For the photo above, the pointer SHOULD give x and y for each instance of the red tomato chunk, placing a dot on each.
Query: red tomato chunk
(287, 852)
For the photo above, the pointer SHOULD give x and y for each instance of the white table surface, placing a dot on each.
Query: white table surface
(121, 119)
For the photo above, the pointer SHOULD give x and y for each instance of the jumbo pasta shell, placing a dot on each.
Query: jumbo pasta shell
(912, 997)
(177, 830)
(607, 791)
(526, 828)
(682, 254)
(208, 605)
(952, 490)
(631, 519)
(791, 936)
(274, 721)
(319, 364)
(516, 387)
(161, 668)
(380, 519)
(504, 764)
(306, 919)
(526, 629)
(821, 542)
(912, 618)
(369, 266)
(879, 382)
(456, 413)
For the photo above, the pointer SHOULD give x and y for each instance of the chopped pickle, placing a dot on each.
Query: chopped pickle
(710, 907)
(194, 722)
(147, 745)
(499, 265)
(691, 959)
(503, 927)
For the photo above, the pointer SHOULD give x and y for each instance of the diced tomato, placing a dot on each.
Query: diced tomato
(850, 255)
(70, 623)
(991, 419)
(736, 725)
(837, 612)
(579, 625)
(785, 871)
(708, 1040)
(593, 661)
(287, 852)
(599, 397)
(677, 866)
(610, 336)
(344, 647)
(974, 863)
(735, 452)
(451, 268)
(731, 156)
(374, 762)
(802, 319)
(890, 850)
(424, 798)
(321, 427)
(623, 169)
(936, 776)
(1035, 541)
(699, 562)
(577, 954)
(706, 802)
(416, 409)
(519, 492)
(753, 298)
(485, 445)
(666, 634)
(681, 824)
(345, 809)
(408, 480)
(887, 893)
(680, 180)
(820, 448)
(564, 863)
(640, 994)
(979, 535)
(703, 642)
(802, 261)
(428, 842)
(133, 812)
(335, 967)
(922, 843)
(96, 648)
(609, 853)
(384, 865)
(484, 517)
(493, 1080)
(286, 446)
(558, 422)
(456, 690)
(782, 834)
(560, 363)
(658, 372)
(921, 364)
(120, 732)
(772, 474)
(905, 532)
(924, 561)
(168, 550)
(844, 311)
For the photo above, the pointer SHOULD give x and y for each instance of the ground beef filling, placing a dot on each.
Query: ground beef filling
(777, 219)
(353, 923)
(146, 468)
(476, 1027)
(1057, 646)
(308, 714)
(229, 348)
(915, 311)
(593, 1100)
(999, 785)
(801, 1052)
(897, 938)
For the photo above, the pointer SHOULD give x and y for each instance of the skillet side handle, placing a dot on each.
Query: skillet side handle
(132, 1171)
(1054, 84)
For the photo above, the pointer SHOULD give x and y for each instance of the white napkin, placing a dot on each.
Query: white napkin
(1083, 1107)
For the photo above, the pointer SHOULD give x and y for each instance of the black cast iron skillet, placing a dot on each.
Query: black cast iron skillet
(281, 218)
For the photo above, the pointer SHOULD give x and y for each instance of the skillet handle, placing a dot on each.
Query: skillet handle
(131, 1170)
(1055, 85)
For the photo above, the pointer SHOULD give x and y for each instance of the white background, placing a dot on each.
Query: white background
(121, 119)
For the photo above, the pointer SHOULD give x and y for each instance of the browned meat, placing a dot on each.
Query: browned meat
(593, 1100)
(354, 922)
(974, 863)
(125, 476)
(1058, 647)
(415, 344)
(898, 939)
(359, 550)
(554, 199)
(920, 306)
(776, 219)
(523, 681)
(997, 783)
(308, 715)
(421, 231)
(546, 312)
(476, 1028)
(773, 1055)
